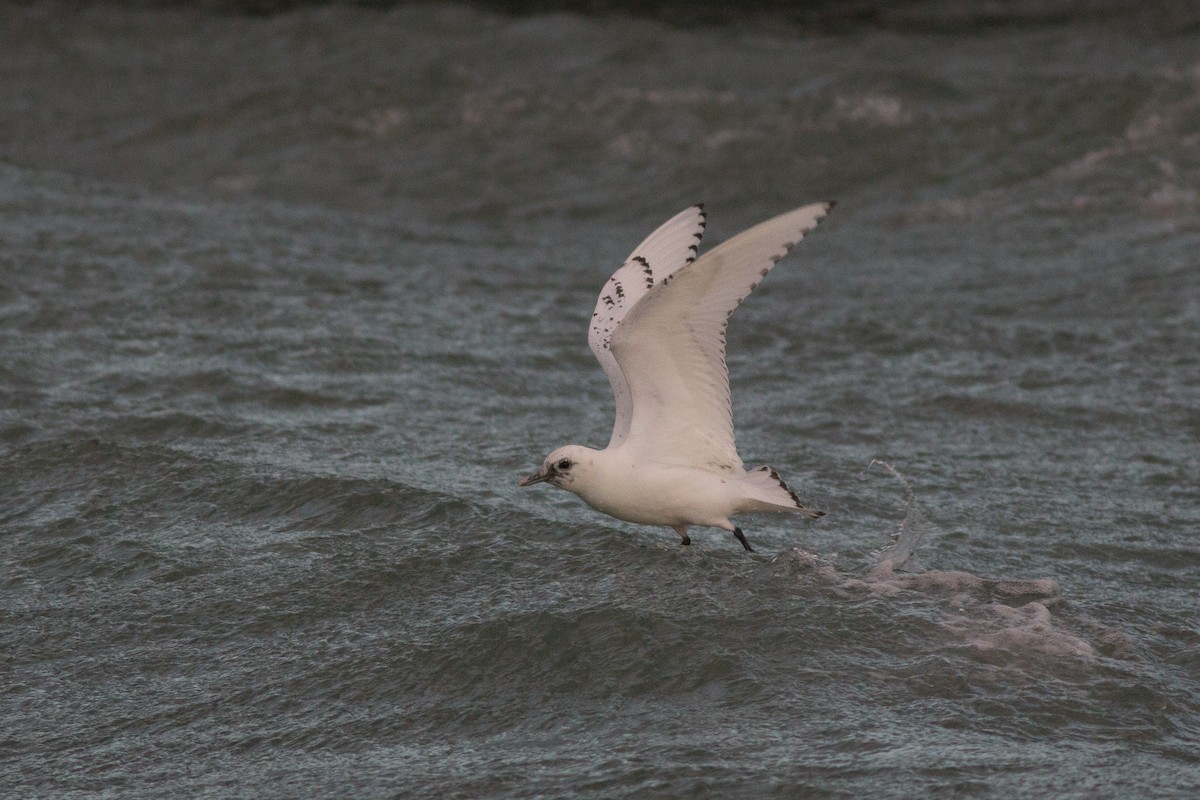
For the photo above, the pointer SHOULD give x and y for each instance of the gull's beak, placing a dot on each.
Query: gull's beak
(537, 477)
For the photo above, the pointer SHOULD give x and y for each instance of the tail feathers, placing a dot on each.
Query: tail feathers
(768, 492)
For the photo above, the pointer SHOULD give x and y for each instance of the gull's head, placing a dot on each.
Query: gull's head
(562, 468)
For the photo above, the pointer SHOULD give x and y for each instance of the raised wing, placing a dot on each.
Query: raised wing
(671, 347)
(673, 245)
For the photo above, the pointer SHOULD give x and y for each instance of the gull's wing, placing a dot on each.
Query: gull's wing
(673, 245)
(670, 347)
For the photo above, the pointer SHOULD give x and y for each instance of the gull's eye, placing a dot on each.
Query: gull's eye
(564, 464)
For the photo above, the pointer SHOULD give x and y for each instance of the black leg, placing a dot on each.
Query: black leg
(741, 537)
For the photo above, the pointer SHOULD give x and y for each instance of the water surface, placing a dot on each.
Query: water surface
(290, 303)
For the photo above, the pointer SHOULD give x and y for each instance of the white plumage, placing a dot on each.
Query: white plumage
(658, 330)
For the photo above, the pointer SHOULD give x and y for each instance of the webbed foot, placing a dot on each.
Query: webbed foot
(741, 537)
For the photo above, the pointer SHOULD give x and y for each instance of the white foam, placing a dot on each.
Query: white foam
(997, 619)
(999, 629)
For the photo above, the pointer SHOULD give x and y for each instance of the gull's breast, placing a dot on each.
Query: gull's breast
(655, 494)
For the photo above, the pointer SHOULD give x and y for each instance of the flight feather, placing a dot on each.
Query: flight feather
(668, 346)
(672, 246)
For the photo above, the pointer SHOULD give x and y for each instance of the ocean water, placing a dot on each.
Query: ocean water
(289, 303)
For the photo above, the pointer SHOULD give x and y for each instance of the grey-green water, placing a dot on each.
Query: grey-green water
(288, 305)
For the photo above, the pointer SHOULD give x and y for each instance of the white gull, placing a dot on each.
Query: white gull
(658, 331)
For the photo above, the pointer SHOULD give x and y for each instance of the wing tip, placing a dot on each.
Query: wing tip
(824, 207)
